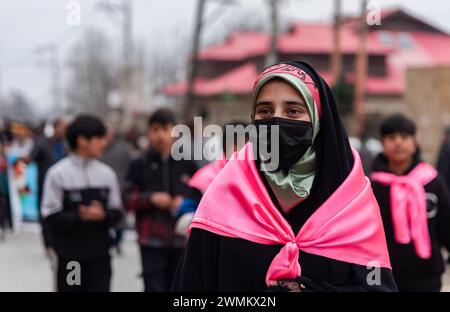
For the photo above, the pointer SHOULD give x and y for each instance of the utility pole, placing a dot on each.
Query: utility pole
(128, 50)
(272, 56)
(125, 9)
(189, 107)
(336, 59)
(361, 72)
(52, 62)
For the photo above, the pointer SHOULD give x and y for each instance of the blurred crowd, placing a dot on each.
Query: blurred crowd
(152, 187)
(159, 194)
(45, 144)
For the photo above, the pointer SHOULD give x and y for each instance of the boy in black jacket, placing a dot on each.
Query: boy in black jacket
(81, 202)
(415, 208)
(156, 185)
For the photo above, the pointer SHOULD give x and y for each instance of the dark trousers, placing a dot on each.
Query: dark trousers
(422, 290)
(431, 283)
(418, 289)
(5, 213)
(95, 275)
(158, 267)
(47, 236)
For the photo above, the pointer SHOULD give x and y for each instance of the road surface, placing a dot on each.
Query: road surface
(25, 267)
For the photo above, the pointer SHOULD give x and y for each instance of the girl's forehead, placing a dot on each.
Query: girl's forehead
(279, 86)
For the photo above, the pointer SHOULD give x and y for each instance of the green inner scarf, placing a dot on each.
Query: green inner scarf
(294, 187)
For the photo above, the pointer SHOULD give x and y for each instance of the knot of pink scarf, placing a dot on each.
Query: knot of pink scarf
(409, 207)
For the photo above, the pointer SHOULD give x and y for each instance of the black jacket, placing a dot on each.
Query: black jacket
(410, 271)
(215, 263)
(443, 165)
(151, 173)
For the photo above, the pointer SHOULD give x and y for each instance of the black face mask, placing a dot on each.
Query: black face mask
(295, 137)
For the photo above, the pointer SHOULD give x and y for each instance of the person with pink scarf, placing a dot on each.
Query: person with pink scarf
(300, 218)
(415, 208)
(200, 181)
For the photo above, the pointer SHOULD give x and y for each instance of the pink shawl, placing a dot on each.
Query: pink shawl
(409, 207)
(347, 227)
(204, 176)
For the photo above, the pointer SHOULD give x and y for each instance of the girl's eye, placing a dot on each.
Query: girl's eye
(294, 112)
(263, 111)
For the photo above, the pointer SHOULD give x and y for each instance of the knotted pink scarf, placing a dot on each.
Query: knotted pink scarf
(409, 207)
(347, 227)
(204, 176)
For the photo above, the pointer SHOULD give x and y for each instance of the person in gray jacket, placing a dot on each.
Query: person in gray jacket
(81, 203)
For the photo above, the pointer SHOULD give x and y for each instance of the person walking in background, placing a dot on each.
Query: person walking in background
(204, 177)
(415, 207)
(81, 203)
(443, 164)
(5, 211)
(46, 152)
(117, 155)
(156, 186)
(22, 143)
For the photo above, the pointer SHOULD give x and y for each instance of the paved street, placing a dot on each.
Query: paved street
(24, 266)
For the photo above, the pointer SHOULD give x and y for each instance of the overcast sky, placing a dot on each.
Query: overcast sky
(26, 24)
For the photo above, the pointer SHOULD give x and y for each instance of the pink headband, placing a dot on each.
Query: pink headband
(297, 73)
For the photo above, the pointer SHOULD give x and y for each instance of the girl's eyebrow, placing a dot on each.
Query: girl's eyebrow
(263, 102)
(295, 102)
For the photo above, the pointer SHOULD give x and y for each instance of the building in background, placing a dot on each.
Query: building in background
(428, 100)
(227, 70)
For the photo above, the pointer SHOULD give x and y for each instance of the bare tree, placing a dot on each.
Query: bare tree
(18, 107)
(93, 74)
(167, 62)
